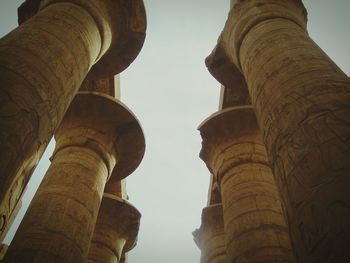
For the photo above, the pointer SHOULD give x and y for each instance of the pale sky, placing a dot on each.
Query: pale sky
(171, 92)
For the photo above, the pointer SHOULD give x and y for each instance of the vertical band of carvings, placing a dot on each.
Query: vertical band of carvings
(254, 220)
(301, 99)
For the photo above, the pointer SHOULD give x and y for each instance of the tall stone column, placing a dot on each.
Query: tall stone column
(118, 221)
(116, 230)
(255, 227)
(91, 139)
(210, 237)
(301, 99)
(42, 64)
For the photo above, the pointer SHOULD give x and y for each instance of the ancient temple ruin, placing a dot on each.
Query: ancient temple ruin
(277, 150)
(281, 93)
(58, 69)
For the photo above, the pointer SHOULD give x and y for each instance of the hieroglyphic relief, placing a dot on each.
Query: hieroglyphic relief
(301, 99)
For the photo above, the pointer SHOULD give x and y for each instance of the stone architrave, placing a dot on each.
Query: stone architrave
(60, 221)
(301, 99)
(254, 221)
(42, 64)
(102, 85)
(234, 91)
(210, 237)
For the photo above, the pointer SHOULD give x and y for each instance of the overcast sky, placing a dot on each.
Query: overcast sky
(171, 93)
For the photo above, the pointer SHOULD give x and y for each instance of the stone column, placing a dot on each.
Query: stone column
(210, 238)
(42, 64)
(118, 221)
(116, 230)
(92, 137)
(301, 99)
(255, 226)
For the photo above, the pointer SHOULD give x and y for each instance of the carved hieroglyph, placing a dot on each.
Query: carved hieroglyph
(59, 223)
(255, 227)
(42, 64)
(301, 99)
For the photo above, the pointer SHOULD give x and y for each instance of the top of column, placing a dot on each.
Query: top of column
(115, 128)
(225, 128)
(234, 91)
(127, 22)
(245, 15)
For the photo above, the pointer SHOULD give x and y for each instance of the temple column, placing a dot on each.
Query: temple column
(301, 99)
(210, 237)
(118, 221)
(255, 227)
(116, 230)
(42, 64)
(60, 221)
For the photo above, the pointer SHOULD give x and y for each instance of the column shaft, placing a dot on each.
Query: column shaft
(255, 227)
(60, 221)
(301, 100)
(254, 221)
(42, 64)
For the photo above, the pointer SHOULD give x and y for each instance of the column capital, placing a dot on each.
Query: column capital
(116, 230)
(108, 127)
(245, 15)
(123, 30)
(122, 217)
(212, 222)
(102, 85)
(225, 129)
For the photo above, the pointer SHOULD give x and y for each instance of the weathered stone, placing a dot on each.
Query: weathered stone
(301, 99)
(255, 227)
(59, 223)
(109, 85)
(210, 238)
(116, 230)
(42, 64)
(234, 90)
(117, 226)
(127, 26)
